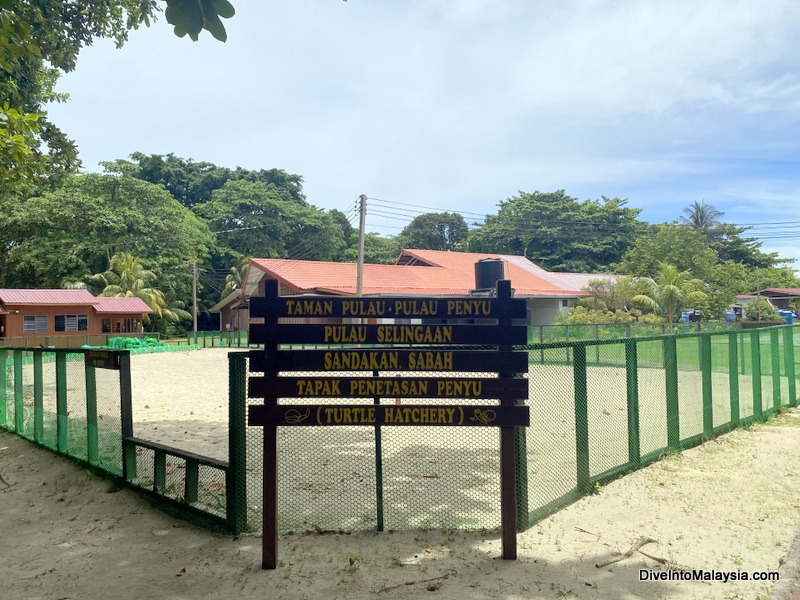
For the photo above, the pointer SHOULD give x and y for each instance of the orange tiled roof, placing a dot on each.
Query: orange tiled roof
(419, 272)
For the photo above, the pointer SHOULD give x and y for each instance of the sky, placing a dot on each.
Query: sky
(457, 105)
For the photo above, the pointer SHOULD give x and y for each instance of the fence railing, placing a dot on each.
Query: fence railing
(218, 339)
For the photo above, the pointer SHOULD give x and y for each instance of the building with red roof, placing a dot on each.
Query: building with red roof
(57, 313)
(415, 273)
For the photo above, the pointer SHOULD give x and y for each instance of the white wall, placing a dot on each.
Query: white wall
(544, 311)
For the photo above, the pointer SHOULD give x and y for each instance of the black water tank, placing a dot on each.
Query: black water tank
(487, 272)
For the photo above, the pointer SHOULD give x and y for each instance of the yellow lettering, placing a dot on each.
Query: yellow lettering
(344, 334)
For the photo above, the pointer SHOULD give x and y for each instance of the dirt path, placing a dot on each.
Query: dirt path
(732, 505)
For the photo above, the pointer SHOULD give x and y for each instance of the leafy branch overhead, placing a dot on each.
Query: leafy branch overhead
(192, 16)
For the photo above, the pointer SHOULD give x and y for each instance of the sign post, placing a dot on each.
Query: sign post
(434, 343)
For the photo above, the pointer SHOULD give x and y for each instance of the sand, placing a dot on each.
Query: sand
(731, 505)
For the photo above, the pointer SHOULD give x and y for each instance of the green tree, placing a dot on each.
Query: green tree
(612, 294)
(126, 277)
(726, 239)
(41, 39)
(569, 235)
(435, 231)
(192, 183)
(73, 232)
(18, 163)
(703, 218)
(378, 250)
(677, 245)
(252, 219)
(760, 310)
(234, 278)
(670, 291)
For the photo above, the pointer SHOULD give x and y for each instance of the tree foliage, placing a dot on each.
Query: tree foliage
(670, 291)
(559, 231)
(192, 183)
(41, 39)
(760, 310)
(435, 231)
(252, 219)
(126, 277)
(73, 232)
(677, 245)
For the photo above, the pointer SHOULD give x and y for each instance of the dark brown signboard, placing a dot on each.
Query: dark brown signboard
(459, 415)
(386, 387)
(389, 359)
(407, 337)
(386, 307)
(387, 334)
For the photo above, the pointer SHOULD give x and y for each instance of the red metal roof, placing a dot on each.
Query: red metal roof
(122, 305)
(419, 272)
(47, 297)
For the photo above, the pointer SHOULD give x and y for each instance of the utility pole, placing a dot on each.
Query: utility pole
(194, 296)
(758, 295)
(362, 221)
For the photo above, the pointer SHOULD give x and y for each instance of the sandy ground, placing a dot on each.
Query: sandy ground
(731, 505)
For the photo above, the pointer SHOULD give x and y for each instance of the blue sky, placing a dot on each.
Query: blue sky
(459, 104)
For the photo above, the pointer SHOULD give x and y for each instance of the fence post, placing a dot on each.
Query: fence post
(378, 468)
(92, 449)
(581, 417)
(38, 397)
(541, 341)
(236, 475)
(18, 416)
(671, 377)
(755, 359)
(62, 420)
(775, 352)
(3, 386)
(705, 370)
(632, 380)
(126, 415)
(742, 361)
(788, 361)
(733, 375)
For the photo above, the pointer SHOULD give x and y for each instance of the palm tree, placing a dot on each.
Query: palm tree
(127, 277)
(235, 278)
(670, 291)
(703, 218)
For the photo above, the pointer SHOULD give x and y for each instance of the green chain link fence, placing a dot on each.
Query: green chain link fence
(599, 409)
(58, 399)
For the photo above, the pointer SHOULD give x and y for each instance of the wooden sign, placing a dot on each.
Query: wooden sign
(401, 307)
(386, 387)
(354, 359)
(408, 341)
(102, 359)
(387, 415)
(387, 334)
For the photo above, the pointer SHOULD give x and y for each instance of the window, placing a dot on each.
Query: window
(106, 325)
(72, 322)
(34, 324)
(565, 303)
